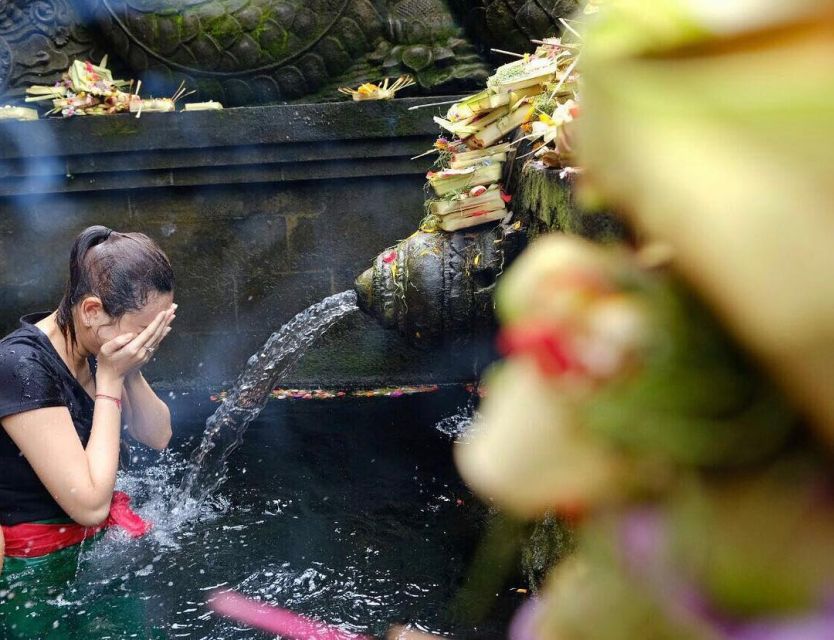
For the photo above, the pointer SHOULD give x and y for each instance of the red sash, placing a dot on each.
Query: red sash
(33, 539)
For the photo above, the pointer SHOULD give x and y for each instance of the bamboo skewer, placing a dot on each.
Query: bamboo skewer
(425, 153)
(558, 45)
(138, 86)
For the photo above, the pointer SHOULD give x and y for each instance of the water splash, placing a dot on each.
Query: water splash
(225, 428)
(155, 490)
(459, 425)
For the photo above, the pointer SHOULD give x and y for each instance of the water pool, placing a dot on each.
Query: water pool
(348, 510)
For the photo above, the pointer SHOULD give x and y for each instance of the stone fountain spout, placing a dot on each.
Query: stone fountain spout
(437, 288)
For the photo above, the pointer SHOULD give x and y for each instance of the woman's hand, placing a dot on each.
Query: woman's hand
(163, 332)
(148, 419)
(128, 352)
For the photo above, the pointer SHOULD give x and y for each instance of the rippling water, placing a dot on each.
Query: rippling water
(349, 511)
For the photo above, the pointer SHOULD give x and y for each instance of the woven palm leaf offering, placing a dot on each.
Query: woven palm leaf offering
(382, 91)
(709, 125)
(680, 412)
(525, 94)
(85, 89)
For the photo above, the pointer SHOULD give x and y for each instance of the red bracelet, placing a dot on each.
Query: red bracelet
(116, 400)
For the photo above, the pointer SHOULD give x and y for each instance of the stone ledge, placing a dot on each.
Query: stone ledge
(248, 144)
(323, 169)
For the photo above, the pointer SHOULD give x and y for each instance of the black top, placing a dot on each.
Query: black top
(33, 376)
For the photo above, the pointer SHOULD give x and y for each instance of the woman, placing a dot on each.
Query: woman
(69, 380)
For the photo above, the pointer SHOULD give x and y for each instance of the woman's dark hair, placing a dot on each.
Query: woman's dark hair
(121, 269)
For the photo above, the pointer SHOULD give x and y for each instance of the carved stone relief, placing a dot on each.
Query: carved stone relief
(38, 41)
(260, 51)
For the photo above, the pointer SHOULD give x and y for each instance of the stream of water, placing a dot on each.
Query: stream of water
(225, 428)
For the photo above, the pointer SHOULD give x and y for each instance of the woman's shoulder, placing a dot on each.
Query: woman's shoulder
(24, 344)
(29, 376)
(24, 337)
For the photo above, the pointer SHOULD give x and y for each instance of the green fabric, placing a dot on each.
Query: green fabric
(27, 585)
(33, 601)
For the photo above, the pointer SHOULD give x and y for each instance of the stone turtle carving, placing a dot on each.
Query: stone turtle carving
(248, 51)
(238, 51)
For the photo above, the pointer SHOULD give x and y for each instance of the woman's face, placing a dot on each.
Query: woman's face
(132, 321)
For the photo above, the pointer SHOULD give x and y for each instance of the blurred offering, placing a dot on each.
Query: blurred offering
(709, 124)
(738, 558)
(9, 112)
(616, 377)
(675, 400)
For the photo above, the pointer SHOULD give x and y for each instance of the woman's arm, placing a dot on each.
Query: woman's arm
(80, 480)
(148, 418)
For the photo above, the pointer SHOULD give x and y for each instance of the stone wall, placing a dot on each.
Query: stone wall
(263, 211)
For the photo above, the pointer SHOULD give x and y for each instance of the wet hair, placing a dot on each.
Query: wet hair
(121, 269)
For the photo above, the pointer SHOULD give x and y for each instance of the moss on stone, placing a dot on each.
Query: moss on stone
(551, 540)
(225, 30)
(547, 202)
(547, 199)
(266, 15)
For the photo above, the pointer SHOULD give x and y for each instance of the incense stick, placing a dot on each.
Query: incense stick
(425, 153)
(508, 53)
(433, 104)
(570, 28)
(565, 77)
